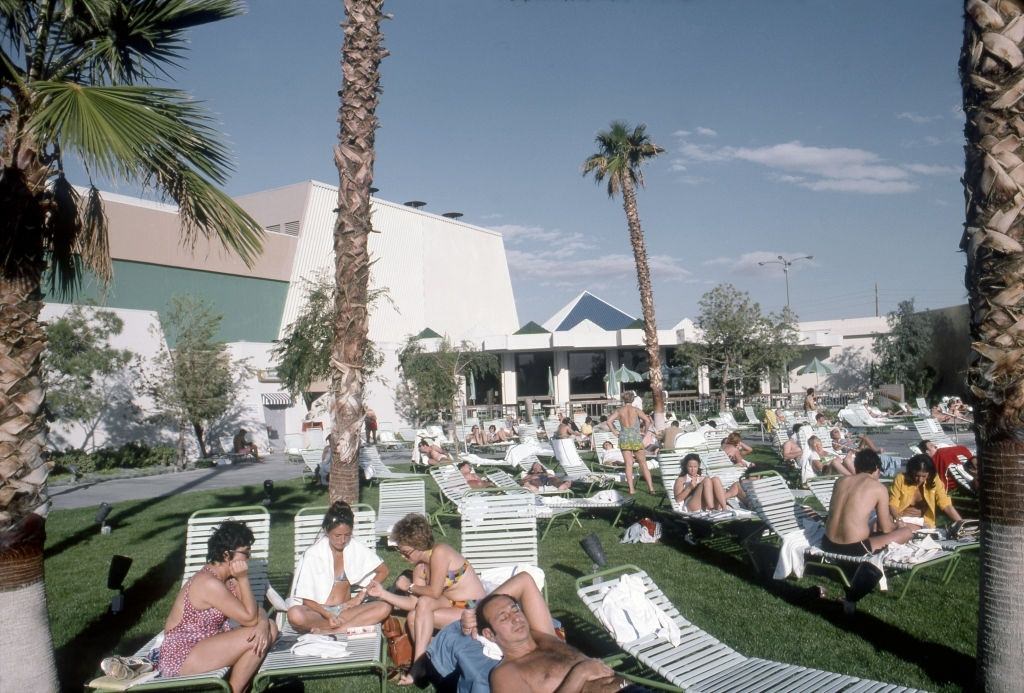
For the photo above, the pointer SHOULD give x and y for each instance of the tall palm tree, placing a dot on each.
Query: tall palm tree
(74, 83)
(361, 53)
(991, 62)
(620, 154)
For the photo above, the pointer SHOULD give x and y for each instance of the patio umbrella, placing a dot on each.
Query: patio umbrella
(471, 387)
(551, 384)
(817, 367)
(613, 384)
(624, 375)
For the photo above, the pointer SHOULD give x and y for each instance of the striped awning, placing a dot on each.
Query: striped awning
(277, 399)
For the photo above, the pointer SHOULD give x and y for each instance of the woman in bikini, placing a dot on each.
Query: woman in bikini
(698, 492)
(443, 584)
(734, 447)
(631, 439)
(197, 637)
(321, 600)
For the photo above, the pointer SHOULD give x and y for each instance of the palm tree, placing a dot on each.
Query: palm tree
(620, 153)
(362, 52)
(74, 82)
(990, 72)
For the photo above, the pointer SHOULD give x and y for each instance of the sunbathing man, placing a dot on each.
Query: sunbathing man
(535, 659)
(944, 458)
(472, 478)
(538, 477)
(434, 454)
(850, 530)
(815, 461)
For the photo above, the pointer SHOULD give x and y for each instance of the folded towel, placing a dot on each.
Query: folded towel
(323, 646)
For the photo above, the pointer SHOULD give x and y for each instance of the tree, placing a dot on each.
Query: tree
(902, 353)
(195, 383)
(86, 378)
(304, 354)
(74, 84)
(739, 342)
(361, 53)
(620, 154)
(990, 72)
(429, 381)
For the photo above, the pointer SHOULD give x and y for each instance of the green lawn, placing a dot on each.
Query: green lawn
(925, 641)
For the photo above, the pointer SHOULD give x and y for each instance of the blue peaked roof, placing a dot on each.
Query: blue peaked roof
(587, 306)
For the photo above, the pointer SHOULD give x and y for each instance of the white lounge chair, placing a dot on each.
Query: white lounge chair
(499, 529)
(670, 470)
(963, 479)
(700, 663)
(397, 499)
(374, 468)
(201, 524)
(575, 470)
(821, 487)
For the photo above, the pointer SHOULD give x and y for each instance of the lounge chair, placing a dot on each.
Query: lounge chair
(575, 470)
(821, 487)
(397, 499)
(775, 505)
(311, 459)
(499, 529)
(366, 652)
(374, 468)
(963, 479)
(201, 524)
(922, 408)
(670, 470)
(452, 488)
(697, 661)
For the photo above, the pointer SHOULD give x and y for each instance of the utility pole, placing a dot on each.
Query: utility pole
(786, 264)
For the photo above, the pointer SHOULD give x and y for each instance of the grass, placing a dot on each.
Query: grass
(927, 640)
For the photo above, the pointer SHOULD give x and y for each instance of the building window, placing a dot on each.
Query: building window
(532, 370)
(587, 370)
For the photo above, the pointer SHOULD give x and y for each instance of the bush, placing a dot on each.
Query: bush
(128, 456)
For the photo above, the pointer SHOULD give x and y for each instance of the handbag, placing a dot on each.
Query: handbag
(399, 644)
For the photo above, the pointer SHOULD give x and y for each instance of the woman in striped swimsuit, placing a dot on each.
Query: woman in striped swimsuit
(197, 636)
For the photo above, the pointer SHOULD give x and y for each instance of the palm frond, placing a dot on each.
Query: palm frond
(129, 41)
(14, 21)
(63, 227)
(93, 241)
(620, 154)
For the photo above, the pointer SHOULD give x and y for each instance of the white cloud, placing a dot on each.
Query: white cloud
(917, 118)
(557, 258)
(747, 263)
(838, 169)
(706, 132)
(681, 133)
(695, 180)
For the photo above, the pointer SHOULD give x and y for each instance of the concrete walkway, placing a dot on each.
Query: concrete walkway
(89, 493)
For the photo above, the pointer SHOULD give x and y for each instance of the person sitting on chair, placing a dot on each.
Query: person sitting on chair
(434, 454)
(815, 461)
(699, 492)
(497, 436)
(242, 444)
(198, 636)
(321, 600)
(668, 440)
(917, 493)
(610, 454)
(944, 458)
(734, 447)
(476, 436)
(859, 524)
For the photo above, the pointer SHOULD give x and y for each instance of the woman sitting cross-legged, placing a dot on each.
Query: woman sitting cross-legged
(917, 494)
(197, 636)
(699, 492)
(321, 600)
(443, 584)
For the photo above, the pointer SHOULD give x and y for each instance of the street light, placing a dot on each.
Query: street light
(786, 264)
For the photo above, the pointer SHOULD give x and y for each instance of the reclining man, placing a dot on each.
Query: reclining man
(516, 618)
(850, 531)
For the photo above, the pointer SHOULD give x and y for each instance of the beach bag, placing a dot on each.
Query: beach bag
(399, 645)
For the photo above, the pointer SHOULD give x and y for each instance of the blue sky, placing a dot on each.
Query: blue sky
(792, 127)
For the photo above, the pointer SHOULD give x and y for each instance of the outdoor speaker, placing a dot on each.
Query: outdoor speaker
(592, 547)
(119, 567)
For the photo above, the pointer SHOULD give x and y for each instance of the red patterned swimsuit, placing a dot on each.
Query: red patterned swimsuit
(195, 625)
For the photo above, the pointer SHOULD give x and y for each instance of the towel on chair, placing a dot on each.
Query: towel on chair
(323, 646)
(629, 615)
(791, 554)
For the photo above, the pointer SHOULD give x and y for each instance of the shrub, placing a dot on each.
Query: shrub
(128, 456)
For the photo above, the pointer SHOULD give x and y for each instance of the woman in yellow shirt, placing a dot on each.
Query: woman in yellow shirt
(918, 493)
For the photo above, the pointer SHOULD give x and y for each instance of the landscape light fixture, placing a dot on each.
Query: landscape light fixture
(595, 552)
(102, 513)
(119, 567)
(268, 492)
(786, 264)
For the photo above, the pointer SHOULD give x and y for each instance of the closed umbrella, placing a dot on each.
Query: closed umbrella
(613, 384)
(471, 387)
(551, 384)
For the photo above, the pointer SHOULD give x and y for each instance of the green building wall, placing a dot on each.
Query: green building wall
(251, 307)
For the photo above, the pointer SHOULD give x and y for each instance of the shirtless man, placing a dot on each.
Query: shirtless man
(472, 478)
(535, 659)
(849, 529)
(434, 454)
(815, 461)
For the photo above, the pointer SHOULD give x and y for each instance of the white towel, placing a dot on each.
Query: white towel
(323, 646)
(791, 554)
(629, 615)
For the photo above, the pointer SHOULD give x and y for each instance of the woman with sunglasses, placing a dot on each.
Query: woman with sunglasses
(443, 584)
(197, 636)
(321, 599)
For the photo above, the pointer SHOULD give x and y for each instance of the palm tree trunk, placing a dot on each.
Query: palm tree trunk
(362, 52)
(990, 63)
(26, 651)
(643, 280)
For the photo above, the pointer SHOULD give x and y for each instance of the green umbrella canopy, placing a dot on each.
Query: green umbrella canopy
(624, 375)
(816, 367)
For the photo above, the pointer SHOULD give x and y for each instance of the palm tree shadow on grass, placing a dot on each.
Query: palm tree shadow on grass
(78, 659)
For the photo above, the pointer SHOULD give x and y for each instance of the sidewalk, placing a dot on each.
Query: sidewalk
(117, 490)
